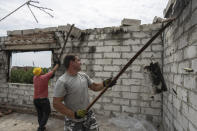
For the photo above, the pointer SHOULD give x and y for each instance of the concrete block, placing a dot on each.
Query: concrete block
(137, 75)
(111, 107)
(104, 49)
(111, 68)
(103, 74)
(131, 42)
(103, 61)
(95, 43)
(15, 32)
(178, 80)
(130, 95)
(192, 127)
(193, 99)
(183, 65)
(112, 42)
(120, 101)
(141, 34)
(97, 106)
(128, 55)
(112, 55)
(131, 28)
(28, 32)
(119, 61)
(190, 52)
(194, 65)
(131, 82)
(122, 48)
(150, 111)
(50, 29)
(97, 68)
(192, 116)
(190, 82)
(130, 22)
(112, 94)
(130, 109)
(106, 100)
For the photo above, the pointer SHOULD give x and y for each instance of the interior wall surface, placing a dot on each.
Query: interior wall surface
(180, 52)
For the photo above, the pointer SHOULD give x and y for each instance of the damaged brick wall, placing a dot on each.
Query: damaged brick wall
(180, 52)
(103, 54)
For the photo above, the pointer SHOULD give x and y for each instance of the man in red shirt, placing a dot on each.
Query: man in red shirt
(41, 100)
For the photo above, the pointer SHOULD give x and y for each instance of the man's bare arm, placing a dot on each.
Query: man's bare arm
(96, 86)
(60, 107)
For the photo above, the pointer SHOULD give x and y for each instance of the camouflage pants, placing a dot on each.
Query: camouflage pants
(88, 124)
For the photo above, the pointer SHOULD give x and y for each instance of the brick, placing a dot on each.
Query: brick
(190, 52)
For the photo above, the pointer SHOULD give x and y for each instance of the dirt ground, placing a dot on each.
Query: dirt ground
(28, 122)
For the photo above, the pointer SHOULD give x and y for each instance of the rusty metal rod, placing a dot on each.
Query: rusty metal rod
(68, 34)
(131, 61)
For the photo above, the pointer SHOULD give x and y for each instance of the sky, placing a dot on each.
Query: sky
(85, 14)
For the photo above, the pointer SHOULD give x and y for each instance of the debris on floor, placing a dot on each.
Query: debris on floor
(127, 123)
(5, 112)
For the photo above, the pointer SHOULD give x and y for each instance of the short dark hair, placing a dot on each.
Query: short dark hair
(67, 60)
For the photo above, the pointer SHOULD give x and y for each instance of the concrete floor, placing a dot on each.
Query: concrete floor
(28, 122)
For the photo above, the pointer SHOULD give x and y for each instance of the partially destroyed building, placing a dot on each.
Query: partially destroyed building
(105, 51)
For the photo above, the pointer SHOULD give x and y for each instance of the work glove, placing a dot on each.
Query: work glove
(108, 82)
(80, 114)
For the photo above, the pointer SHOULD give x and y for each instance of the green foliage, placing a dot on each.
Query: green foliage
(23, 75)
